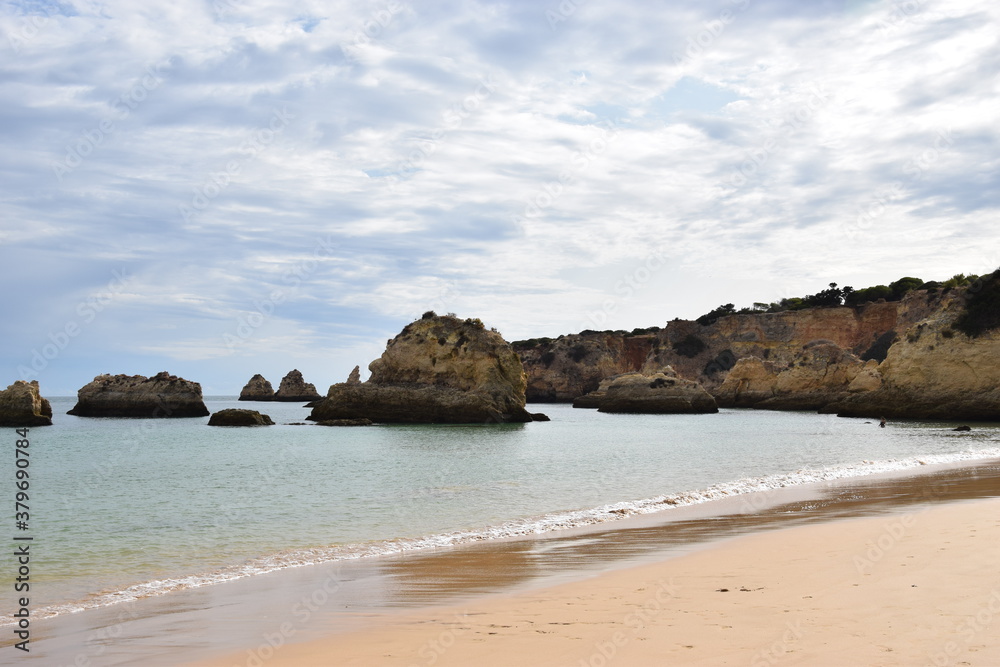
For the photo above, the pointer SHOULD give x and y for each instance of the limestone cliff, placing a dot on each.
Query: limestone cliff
(662, 392)
(570, 366)
(257, 389)
(821, 373)
(162, 395)
(294, 388)
(573, 365)
(935, 372)
(439, 369)
(21, 404)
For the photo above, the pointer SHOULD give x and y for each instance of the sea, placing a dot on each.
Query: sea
(124, 509)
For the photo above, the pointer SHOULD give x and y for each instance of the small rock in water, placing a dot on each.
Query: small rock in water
(962, 428)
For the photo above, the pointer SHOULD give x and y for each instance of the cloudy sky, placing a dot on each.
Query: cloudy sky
(223, 187)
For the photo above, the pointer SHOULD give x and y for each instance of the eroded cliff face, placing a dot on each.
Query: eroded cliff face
(662, 392)
(439, 369)
(934, 372)
(574, 365)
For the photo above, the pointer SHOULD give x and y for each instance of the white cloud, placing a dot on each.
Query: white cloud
(473, 150)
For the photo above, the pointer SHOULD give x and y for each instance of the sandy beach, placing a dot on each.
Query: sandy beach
(906, 588)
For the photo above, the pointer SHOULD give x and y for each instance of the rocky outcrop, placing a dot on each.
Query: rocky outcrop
(257, 389)
(21, 404)
(934, 372)
(563, 369)
(345, 422)
(574, 365)
(821, 373)
(162, 395)
(355, 376)
(294, 388)
(662, 392)
(237, 417)
(439, 369)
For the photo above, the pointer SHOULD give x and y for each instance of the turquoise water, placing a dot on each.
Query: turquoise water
(129, 508)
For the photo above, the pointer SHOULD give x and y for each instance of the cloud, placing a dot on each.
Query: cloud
(339, 168)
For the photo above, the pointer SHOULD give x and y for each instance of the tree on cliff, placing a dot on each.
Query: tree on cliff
(982, 310)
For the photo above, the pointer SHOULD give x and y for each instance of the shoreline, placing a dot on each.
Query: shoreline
(917, 588)
(346, 596)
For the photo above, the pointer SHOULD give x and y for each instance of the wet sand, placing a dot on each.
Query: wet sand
(576, 586)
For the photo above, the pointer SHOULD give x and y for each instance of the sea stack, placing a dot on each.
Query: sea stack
(163, 395)
(257, 389)
(662, 392)
(21, 404)
(294, 388)
(439, 369)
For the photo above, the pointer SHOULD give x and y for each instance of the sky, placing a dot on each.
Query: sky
(218, 188)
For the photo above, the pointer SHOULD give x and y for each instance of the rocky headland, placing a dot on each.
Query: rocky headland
(21, 404)
(237, 417)
(163, 395)
(294, 388)
(661, 392)
(934, 354)
(439, 369)
(257, 389)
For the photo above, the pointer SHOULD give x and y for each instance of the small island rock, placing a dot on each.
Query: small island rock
(294, 388)
(237, 417)
(439, 369)
(22, 405)
(257, 389)
(163, 395)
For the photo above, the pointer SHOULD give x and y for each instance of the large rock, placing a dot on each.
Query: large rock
(934, 372)
(662, 392)
(820, 374)
(237, 417)
(294, 388)
(439, 369)
(162, 395)
(22, 405)
(257, 389)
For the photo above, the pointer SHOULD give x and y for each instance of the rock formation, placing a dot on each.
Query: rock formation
(439, 369)
(237, 417)
(662, 392)
(22, 405)
(355, 376)
(820, 374)
(162, 395)
(573, 365)
(294, 388)
(257, 389)
(345, 422)
(935, 372)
